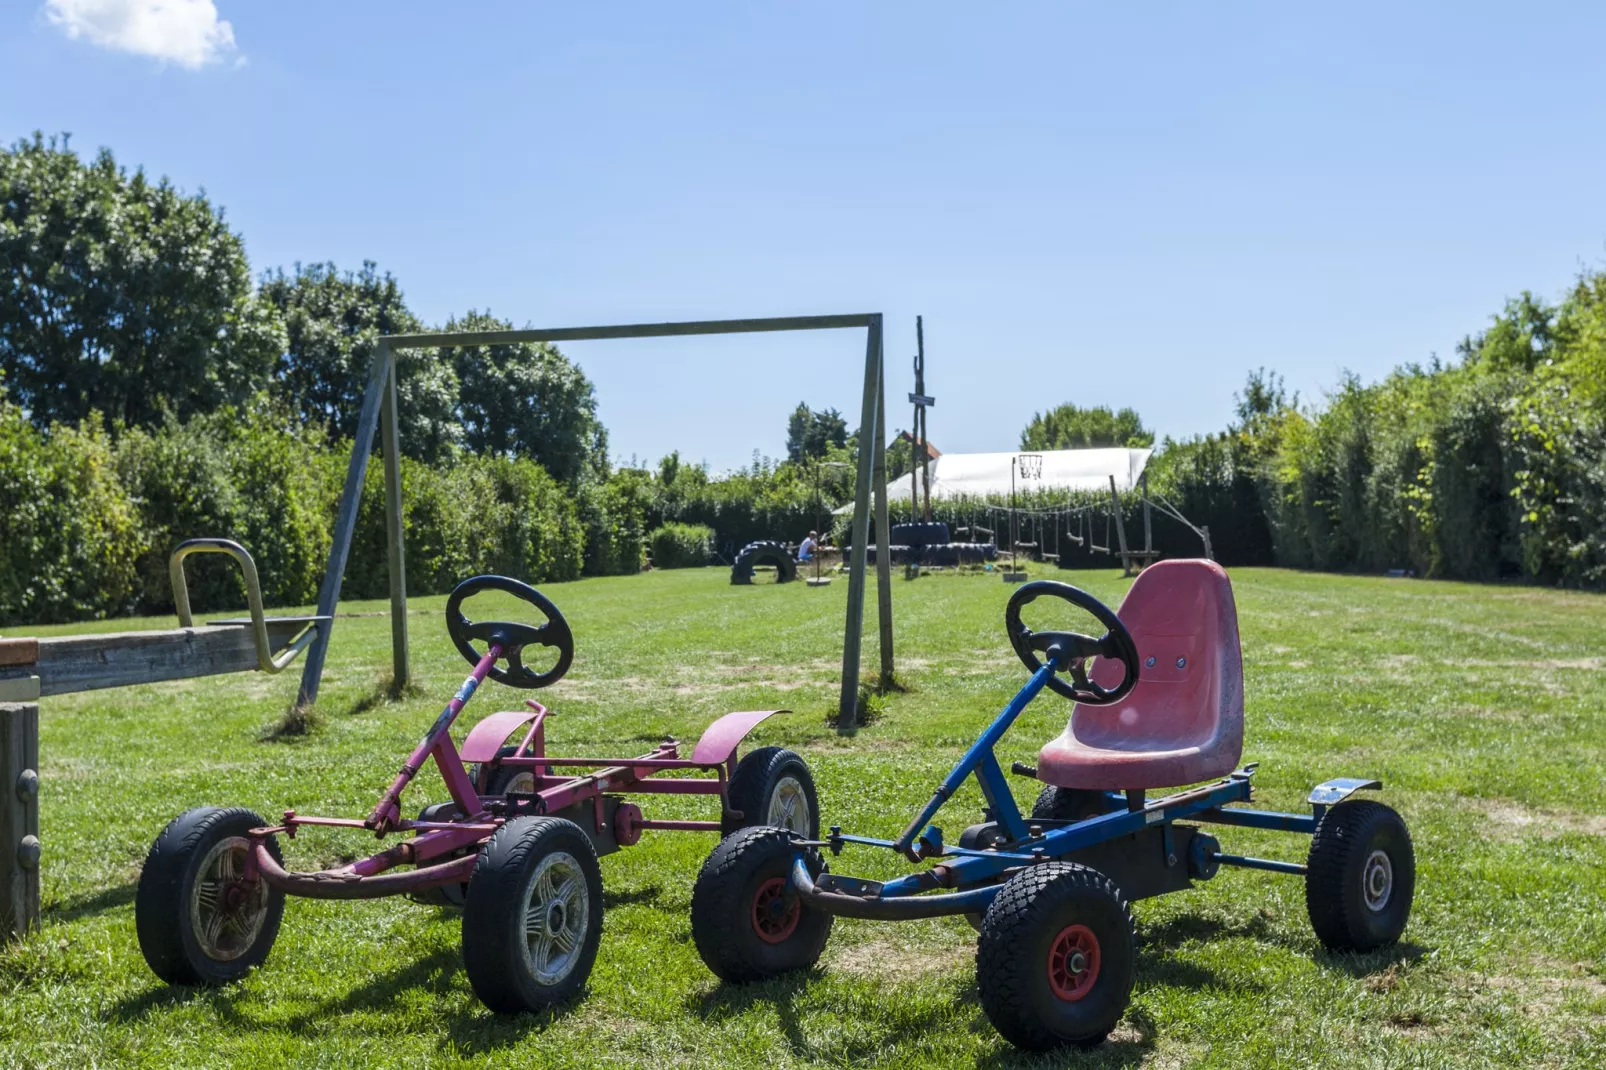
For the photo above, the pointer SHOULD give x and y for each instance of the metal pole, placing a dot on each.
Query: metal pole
(853, 630)
(345, 522)
(883, 560)
(395, 537)
(922, 416)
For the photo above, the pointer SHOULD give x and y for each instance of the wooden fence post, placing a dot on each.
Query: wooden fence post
(19, 787)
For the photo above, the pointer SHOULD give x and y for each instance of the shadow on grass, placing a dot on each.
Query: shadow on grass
(474, 1029)
(1123, 1049)
(612, 900)
(1257, 927)
(82, 906)
(781, 993)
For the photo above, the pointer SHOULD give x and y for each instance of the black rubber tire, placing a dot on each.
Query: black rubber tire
(1012, 956)
(764, 552)
(445, 895)
(1069, 804)
(923, 533)
(163, 916)
(500, 776)
(1339, 866)
(757, 778)
(723, 901)
(495, 943)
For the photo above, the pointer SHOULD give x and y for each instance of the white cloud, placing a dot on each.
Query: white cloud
(185, 32)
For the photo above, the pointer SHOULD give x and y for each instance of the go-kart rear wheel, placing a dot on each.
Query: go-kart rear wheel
(501, 779)
(1069, 804)
(1360, 877)
(533, 919)
(746, 921)
(773, 787)
(444, 895)
(1054, 964)
(199, 920)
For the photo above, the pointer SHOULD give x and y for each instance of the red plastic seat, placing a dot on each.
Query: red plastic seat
(1184, 721)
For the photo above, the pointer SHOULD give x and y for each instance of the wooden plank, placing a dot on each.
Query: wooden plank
(19, 818)
(853, 630)
(395, 537)
(19, 651)
(630, 330)
(69, 663)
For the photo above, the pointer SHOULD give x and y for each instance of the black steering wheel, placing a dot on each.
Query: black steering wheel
(511, 637)
(1068, 650)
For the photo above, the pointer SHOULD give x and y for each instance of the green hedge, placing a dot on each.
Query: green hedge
(681, 546)
(69, 532)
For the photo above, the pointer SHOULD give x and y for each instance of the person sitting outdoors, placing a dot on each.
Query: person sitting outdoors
(805, 551)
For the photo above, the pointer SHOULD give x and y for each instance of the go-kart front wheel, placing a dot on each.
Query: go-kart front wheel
(199, 920)
(1054, 963)
(533, 918)
(1360, 877)
(746, 921)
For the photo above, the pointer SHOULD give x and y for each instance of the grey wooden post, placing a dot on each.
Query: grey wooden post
(1148, 535)
(19, 818)
(345, 522)
(395, 536)
(853, 630)
(883, 525)
(1120, 529)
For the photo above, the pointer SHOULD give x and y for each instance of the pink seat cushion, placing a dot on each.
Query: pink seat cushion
(1184, 721)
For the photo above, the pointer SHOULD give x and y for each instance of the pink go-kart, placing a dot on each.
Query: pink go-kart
(516, 847)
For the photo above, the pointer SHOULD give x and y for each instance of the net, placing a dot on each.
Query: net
(1031, 465)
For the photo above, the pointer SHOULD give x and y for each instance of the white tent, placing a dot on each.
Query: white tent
(978, 475)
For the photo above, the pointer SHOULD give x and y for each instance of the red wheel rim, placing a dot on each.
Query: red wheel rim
(774, 919)
(1073, 962)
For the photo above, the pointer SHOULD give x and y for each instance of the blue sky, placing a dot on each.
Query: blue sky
(1108, 204)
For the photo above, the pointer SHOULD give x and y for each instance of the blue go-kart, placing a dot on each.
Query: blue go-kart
(1159, 703)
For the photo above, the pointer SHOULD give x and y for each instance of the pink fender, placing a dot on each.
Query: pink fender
(487, 737)
(719, 740)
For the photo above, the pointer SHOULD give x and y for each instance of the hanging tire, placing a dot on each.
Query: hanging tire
(1069, 804)
(1054, 963)
(772, 787)
(533, 919)
(198, 920)
(747, 923)
(1360, 877)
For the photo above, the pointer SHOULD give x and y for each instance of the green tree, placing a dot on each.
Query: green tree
(527, 400)
(1070, 427)
(333, 321)
(811, 434)
(121, 296)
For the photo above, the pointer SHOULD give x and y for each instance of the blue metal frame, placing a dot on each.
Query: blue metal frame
(1025, 844)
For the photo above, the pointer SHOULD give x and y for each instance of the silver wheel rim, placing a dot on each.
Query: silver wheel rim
(556, 910)
(789, 807)
(226, 913)
(1377, 880)
(522, 781)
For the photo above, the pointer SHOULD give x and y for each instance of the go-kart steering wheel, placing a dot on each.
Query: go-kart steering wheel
(1068, 650)
(511, 637)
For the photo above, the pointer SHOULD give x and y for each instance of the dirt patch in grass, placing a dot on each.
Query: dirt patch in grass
(1512, 820)
(887, 959)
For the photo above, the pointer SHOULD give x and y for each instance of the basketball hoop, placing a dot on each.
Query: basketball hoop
(1031, 465)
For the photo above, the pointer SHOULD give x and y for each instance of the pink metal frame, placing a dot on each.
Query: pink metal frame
(434, 843)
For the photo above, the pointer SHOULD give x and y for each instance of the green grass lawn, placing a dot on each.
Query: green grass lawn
(1483, 710)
